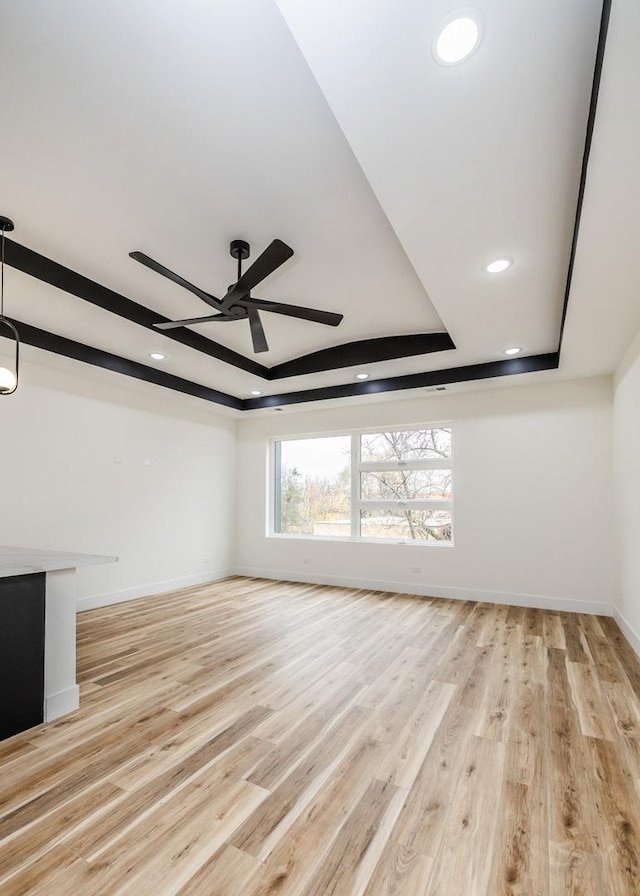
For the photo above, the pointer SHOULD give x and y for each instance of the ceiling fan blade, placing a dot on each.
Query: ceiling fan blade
(172, 324)
(165, 272)
(329, 318)
(273, 256)
(257, 332)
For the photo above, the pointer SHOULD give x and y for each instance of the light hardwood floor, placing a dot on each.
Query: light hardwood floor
(255, 737)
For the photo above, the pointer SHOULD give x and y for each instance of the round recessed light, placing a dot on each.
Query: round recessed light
(362, 376)
(515, 350)
(256, 392)
(499, 265)
(459, 36)
(157, 356)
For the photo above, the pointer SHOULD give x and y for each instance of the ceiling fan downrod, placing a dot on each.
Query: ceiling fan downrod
(240, 250)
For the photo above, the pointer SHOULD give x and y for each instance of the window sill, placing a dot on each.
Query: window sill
(284, 536)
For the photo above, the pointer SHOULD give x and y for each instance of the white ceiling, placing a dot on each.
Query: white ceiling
(172, 127)
(604, 308)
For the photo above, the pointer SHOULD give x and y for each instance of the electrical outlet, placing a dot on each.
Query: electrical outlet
(416, 569)
(306, 561)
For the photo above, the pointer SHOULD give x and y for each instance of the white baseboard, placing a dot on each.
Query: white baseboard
(93, 602)
(67, 701)
(538, 601)
(627, 630)
(56, 705)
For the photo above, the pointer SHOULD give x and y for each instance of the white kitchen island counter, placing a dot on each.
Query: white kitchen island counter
(22, 561)
(21, 578)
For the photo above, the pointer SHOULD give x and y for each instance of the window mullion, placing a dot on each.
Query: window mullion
(412, 504)
(436, 463)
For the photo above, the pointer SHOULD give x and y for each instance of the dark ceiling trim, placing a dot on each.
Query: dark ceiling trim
(42, 268)
(364, 351)
(508, 367)
(78, 351)
(60, 345)
(593, 105)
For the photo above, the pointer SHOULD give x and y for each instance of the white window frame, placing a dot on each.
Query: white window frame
(358, 466)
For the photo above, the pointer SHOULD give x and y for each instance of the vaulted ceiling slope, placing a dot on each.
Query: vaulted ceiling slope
(172, 128)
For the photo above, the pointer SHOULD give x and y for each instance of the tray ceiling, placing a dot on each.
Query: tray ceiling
(173, 128)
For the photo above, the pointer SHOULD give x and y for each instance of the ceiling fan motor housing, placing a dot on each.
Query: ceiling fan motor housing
(238, 303)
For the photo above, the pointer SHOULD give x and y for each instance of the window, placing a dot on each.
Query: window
(394, 485)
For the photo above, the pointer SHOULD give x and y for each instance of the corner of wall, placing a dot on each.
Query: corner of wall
(627, 630)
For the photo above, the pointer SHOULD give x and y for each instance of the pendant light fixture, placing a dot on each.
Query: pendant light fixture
(8, 376)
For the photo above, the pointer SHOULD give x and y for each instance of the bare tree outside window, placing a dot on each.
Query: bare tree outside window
(406, 485)
(408, 444)
(315, 487)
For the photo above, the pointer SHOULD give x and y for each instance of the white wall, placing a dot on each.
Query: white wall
(533, 499)
(533, 504)
(626, 447)
(169, 522)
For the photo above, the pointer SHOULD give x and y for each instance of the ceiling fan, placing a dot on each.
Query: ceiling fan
(238, 303)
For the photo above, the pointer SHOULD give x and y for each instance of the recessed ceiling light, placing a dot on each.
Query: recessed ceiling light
(458, 37)
(256, 392)
(512, 351)
(157, 356)
(499, 265)
(362, 376)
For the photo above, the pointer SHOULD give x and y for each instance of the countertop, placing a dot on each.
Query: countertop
(22, 561)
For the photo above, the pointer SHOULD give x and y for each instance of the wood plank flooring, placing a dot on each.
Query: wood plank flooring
(253, 737)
